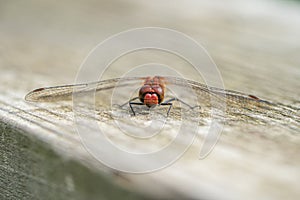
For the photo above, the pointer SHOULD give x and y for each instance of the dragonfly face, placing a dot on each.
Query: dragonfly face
(152, 92)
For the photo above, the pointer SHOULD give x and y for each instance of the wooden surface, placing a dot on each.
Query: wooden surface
(256, 47)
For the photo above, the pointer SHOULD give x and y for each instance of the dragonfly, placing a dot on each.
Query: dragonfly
(151, 93)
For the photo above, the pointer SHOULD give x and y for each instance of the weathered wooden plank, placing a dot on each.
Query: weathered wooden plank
(256, 48)
(30, 170)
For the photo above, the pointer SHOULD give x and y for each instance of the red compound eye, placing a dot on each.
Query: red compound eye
(150, 99)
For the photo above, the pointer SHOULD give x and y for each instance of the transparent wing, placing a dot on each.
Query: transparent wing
(239, 106)
(205, 93)
(65, 92)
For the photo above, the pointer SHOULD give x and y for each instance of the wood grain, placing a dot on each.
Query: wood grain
(255, 46)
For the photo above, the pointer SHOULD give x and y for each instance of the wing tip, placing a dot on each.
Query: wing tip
(30, 97)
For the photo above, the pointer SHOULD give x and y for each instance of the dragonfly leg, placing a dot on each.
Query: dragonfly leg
(134, 103)
(176, 99)
(131, 100)
(168, 102)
